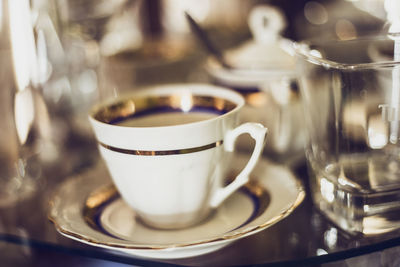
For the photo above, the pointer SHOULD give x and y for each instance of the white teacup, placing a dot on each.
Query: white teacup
(168, 149)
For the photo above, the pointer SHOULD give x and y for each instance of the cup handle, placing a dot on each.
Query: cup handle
(258, 133)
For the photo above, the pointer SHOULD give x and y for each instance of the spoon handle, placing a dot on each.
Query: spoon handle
(202, 36)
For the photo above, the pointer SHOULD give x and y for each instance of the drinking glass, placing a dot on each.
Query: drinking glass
(27, 139)
(351, 95)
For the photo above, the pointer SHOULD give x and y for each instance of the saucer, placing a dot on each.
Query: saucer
(88, 208)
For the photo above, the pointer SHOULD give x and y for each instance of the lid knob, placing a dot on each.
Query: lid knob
(266, 23)
(392, 8)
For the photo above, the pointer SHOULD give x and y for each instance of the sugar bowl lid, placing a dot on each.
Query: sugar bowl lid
(267, 50)
(265, 56)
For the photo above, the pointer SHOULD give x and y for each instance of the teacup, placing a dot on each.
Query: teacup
(168, 150)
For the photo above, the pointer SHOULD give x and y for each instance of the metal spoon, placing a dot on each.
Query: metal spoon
(205, 40)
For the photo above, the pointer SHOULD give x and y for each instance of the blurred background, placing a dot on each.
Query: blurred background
(126, 42)
(154, 35)
(75, 53)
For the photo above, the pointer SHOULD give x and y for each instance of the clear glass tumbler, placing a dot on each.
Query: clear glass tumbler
(351, 95)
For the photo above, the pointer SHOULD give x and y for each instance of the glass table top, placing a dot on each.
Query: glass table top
(305, 237)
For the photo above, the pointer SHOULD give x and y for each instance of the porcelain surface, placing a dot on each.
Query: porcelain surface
(87, 208)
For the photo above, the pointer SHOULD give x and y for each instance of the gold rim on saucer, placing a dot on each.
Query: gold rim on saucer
(79, 204)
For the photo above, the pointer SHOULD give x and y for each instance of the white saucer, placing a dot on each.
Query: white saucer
(87, 208)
